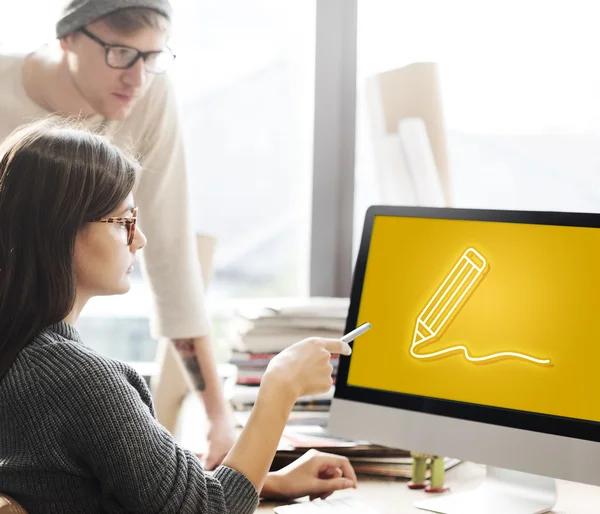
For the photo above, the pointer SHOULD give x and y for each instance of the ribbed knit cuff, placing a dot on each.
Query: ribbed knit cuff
(240, 495)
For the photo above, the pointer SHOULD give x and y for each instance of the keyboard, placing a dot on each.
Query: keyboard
(346, 505)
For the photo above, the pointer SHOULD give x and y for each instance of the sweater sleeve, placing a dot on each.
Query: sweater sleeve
(170, 259)
(110, 428)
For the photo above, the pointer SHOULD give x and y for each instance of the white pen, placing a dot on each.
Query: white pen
(350, 336)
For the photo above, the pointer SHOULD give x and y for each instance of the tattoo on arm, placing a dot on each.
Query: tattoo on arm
(187, 351)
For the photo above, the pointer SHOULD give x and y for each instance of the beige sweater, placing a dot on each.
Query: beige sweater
(152, 133)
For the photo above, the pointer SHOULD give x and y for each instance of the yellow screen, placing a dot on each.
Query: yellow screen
(498, 314)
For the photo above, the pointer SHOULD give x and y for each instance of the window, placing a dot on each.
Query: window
(520, 90)
(245, 81)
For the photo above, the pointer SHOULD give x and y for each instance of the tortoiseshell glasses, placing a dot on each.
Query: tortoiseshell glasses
(129, 222)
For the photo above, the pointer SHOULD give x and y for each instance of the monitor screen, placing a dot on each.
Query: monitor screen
(481, 315)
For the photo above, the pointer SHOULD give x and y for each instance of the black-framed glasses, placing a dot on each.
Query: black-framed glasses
(129, 222)
(124, 57)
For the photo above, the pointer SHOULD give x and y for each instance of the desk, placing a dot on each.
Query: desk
(393, 497)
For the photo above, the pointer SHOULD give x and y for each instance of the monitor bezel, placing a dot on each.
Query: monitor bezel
(548, 424)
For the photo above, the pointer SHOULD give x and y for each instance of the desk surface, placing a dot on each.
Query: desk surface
(393, 497)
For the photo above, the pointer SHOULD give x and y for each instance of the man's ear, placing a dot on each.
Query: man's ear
(66, 42)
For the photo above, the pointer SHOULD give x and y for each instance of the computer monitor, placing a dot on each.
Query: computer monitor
(485, 346)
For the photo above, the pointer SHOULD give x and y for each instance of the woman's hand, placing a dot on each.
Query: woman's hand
(315, 474)
(305, 367)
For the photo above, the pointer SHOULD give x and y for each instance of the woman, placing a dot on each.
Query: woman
(77, 431)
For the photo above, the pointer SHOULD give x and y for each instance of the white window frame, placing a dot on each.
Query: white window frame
(334, 148)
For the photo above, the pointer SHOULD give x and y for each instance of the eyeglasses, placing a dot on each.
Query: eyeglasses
(129, 222)
(124, 57)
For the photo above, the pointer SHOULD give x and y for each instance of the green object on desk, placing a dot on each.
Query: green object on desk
(419, 470)
(437, 472)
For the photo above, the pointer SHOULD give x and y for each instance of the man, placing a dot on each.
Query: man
(108, 68)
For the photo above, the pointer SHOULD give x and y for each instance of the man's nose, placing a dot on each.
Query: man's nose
(136, 75)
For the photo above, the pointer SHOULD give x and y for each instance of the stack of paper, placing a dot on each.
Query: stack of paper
(244, 398)
(266, 328)
(366, 459)
(272, 327)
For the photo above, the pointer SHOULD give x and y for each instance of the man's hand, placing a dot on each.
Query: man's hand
(221, 438)
(315, 474)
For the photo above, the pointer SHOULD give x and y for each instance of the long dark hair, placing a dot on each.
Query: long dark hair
(54, 178)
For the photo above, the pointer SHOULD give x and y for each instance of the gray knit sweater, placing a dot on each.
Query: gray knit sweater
(78, 435)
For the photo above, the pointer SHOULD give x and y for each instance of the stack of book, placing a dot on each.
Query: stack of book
(303, 433)
(366, 459)
(270, 328)
(251, 366)
(244, 398)
(265, 330)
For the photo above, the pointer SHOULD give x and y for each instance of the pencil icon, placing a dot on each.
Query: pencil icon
(464, 277)
(445, 303)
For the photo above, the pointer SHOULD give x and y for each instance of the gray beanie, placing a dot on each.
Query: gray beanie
(78, 13)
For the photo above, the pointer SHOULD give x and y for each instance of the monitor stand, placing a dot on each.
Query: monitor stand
(501, 492)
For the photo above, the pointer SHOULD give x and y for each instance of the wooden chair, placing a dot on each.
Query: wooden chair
(10, 506)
